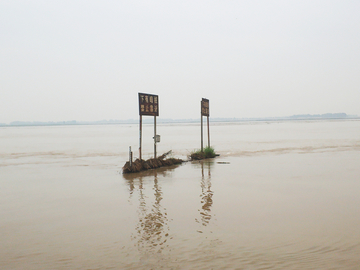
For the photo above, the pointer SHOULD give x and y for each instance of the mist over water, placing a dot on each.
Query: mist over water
(282, 195)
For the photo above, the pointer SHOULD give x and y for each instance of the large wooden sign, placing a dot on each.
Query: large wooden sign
(148, 104)
(205, 107)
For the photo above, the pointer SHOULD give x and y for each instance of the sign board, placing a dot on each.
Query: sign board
(205, 107)
(157, 138)
(148, 104)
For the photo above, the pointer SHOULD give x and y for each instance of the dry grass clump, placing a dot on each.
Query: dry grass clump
(141, 165)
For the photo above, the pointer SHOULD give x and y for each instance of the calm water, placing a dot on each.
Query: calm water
(282, 195)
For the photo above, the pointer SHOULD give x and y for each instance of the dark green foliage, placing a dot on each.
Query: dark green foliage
(208, 152)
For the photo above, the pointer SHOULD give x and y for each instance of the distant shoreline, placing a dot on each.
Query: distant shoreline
(327, 116)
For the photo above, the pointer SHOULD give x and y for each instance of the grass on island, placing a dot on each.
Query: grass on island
(142, 165)
(208, 152)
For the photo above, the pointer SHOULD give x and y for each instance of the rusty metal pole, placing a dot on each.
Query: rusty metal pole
(202, 148)
(140, 136)
(208, 131)
(154, 136)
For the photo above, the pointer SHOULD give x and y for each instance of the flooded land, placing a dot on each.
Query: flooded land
(281, 195)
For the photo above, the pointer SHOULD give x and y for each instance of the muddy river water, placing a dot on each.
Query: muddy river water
(281, 195)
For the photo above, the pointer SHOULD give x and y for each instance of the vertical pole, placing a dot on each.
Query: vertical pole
(140, 136)
(154, 136)
(130, 155)
(208, 131)
(202, 148)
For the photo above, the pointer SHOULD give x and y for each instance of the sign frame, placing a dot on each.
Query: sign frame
(205, 111)
(205, 107)
(148, 104)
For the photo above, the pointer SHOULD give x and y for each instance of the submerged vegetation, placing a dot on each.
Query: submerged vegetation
(141, 165)
(208, 152)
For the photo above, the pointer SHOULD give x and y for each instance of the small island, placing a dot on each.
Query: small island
(142, 165)
(208, 152)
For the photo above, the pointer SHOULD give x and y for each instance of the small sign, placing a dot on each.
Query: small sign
(148, 104)
(157, 138)
(205, 107)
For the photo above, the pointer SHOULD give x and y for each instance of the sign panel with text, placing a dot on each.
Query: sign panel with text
(148, 104)
(205, 107)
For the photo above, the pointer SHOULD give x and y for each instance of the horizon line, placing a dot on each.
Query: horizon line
(325, 116)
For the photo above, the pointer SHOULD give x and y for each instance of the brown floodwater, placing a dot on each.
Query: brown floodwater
(282, 195)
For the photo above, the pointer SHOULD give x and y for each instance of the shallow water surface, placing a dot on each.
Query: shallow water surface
(281, 196)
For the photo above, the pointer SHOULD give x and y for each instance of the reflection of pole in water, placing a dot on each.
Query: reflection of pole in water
(131, 187)
(206, 196)
(152, 228)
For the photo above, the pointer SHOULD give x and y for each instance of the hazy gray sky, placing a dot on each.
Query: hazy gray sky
(87, 60)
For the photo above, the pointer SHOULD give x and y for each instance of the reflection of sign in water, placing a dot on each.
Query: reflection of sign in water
(206, 197)
(148, 104)
(152, 228)
(205, 107)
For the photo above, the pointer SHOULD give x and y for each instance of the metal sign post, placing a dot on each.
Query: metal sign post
(205, 111)
(148, 105)
(140, 136)
(154, 136)
(201, 123)
(208, 126)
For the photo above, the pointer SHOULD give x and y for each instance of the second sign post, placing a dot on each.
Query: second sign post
(148, 105)
(205, 111)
